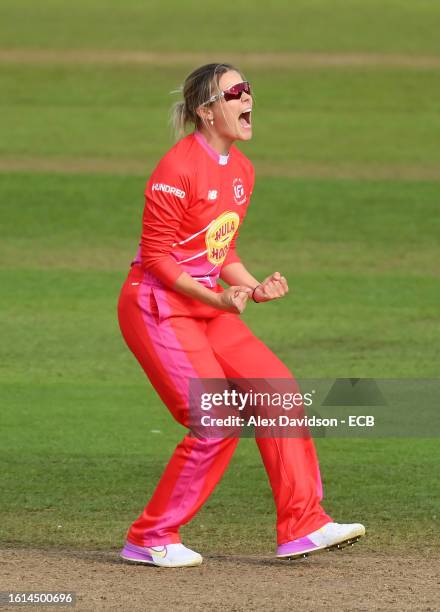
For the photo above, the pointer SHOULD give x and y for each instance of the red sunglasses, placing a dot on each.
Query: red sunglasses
(233, 93)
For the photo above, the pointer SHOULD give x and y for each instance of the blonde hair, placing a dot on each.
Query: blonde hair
(197, 89)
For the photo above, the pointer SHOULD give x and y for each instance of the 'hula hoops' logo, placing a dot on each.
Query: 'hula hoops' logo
(219, 236)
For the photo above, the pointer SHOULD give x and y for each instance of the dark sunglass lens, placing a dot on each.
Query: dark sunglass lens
(234, 92)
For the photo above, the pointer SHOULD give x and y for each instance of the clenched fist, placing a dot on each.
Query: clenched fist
(233, 299)
(273, 287)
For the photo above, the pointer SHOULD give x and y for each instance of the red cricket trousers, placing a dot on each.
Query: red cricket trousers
(172, 347)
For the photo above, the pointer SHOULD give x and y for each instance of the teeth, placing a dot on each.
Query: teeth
(245, 118)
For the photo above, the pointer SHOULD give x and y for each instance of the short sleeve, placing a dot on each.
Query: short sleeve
(167, 198)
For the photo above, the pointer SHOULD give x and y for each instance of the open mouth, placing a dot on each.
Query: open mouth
(245, 119)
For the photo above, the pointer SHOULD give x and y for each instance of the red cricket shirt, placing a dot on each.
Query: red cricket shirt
(195, 202)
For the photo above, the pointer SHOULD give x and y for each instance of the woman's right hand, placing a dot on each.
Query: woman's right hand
(233, 299)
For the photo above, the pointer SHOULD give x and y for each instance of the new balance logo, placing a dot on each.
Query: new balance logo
(212, 194)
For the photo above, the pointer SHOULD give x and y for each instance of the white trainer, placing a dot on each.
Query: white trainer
(336, 533)
(168, 555)
(331, 535)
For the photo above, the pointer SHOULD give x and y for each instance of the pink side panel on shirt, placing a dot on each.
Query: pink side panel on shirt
(206, 273)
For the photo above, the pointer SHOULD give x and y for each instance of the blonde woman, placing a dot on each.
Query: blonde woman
(182, 325)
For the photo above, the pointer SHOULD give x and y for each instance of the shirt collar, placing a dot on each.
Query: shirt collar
(222, 160)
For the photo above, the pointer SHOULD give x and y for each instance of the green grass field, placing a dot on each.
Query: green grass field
(78, 456)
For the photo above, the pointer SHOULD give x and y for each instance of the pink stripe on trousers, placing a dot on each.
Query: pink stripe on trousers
(202, 453)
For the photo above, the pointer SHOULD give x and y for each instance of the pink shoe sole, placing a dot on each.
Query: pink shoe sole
(303, 547)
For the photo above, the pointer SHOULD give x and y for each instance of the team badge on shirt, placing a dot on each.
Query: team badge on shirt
(219, 236)
(238, 189)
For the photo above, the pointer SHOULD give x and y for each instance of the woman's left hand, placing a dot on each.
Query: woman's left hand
(272, 288)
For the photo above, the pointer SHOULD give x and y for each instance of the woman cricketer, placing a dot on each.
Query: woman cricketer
(182, 325)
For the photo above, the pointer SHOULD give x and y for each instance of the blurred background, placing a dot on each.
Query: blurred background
(346, 206)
